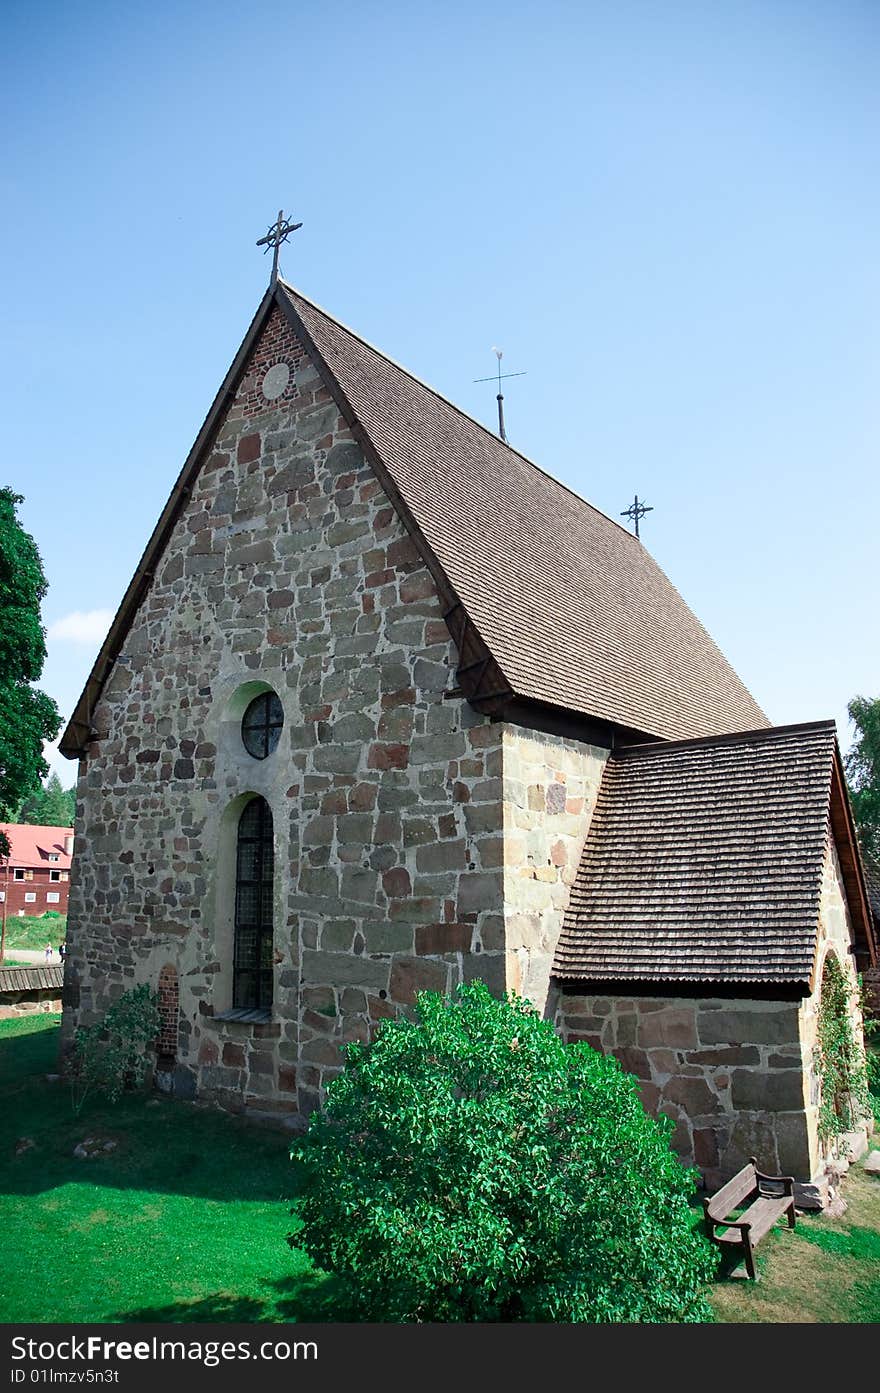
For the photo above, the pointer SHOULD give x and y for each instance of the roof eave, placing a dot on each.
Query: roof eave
(854, 880)
(691, 986)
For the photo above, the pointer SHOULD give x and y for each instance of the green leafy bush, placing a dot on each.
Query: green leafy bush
(469, 1166)
(111, 1055)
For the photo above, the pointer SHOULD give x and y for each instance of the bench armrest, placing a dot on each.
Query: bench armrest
(786, 1181)
(744, 1226)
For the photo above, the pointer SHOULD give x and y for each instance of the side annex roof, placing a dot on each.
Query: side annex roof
(704, 863)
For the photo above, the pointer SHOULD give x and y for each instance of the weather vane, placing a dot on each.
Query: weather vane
(278, 233)
(497, 377)
(635, 511)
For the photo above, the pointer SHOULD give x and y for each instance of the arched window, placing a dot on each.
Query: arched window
(254, 875)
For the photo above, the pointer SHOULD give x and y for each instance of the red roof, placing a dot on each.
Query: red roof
(32, 846)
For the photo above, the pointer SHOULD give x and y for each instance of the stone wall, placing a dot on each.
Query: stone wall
(29, 988)
(26, 1003)
(288, 570)
(736, 1075)
(727, 1072)
(549, 793)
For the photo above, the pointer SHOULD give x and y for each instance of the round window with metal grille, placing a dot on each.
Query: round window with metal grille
(262, 724)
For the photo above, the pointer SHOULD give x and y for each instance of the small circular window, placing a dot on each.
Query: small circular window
(261, 725)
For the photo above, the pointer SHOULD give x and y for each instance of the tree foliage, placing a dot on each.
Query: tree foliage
(863, 772)
(50, 805)
(468, 1165)
(27, 716)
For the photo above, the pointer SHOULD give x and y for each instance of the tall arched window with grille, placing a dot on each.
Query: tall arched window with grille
(254, 883)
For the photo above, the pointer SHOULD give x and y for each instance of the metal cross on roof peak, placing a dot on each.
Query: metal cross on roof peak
(635, 511)
(278, 233)
(498, 377)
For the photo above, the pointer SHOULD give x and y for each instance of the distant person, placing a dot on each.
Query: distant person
(48, 952)
(62, 951)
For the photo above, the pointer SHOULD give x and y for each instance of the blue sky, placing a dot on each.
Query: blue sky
(666, 214)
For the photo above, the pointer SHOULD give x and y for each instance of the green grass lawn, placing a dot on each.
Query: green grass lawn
(186, 1219)
(826, 1270)
(34, 933)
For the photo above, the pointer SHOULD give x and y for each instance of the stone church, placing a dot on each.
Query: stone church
(387, 708)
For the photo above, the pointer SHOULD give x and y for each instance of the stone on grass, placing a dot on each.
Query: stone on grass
(93, 1146)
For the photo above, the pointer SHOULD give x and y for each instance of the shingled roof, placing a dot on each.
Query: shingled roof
(31, 979)
(568, 606)
(704, 862)
(572, 607)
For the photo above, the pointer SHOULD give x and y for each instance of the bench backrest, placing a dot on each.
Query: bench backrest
(734, 1192)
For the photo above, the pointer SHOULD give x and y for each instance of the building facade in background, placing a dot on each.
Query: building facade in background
(36, 877)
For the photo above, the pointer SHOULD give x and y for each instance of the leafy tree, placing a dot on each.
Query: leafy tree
(27, 716)
(51, 805)
(863, 772)
(468, 1165)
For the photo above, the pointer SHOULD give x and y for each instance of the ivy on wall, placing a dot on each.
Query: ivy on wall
(839, 1058)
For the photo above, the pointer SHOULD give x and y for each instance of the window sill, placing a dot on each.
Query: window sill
(244, 1016)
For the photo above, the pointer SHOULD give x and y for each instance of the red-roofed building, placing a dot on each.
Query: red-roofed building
(37, 874)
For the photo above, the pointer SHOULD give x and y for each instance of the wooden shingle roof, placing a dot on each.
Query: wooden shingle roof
(26, 979)
(571, 606)
(559, 603)
(704, 862)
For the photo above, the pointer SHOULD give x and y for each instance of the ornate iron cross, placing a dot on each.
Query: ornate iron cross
(635, 511)
(278, 233)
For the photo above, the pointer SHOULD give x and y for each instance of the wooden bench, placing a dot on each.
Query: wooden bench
(768, 1205)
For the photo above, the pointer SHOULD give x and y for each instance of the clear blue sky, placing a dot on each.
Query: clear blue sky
(666, 213)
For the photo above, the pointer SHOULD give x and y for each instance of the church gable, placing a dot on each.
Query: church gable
(287, 572)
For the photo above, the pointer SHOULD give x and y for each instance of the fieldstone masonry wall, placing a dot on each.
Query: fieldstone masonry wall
(728, 1073)
(288, 569)
(736, 1076)
(550, 790)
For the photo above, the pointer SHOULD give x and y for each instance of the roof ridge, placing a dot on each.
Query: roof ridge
(496, 439)
(735, 737)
